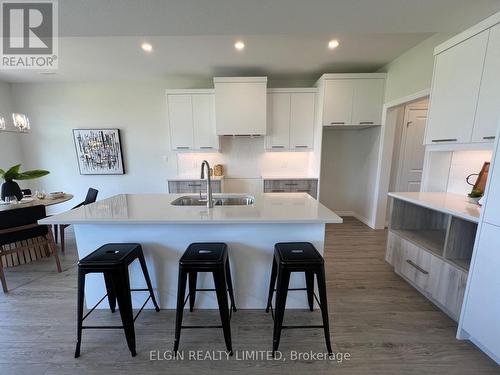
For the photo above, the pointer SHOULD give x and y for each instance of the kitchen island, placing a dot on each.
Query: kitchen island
(165, 230)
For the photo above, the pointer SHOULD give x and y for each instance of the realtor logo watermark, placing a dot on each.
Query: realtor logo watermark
(29, 35)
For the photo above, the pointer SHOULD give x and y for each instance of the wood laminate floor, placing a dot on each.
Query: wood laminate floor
(384, 324)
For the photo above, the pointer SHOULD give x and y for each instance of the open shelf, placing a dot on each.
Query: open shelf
(460, 243)
(432, 240)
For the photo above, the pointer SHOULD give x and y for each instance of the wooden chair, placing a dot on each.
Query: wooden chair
(19, 230)
(90, 198)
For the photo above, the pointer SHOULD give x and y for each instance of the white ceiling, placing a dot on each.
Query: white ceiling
(100, 39)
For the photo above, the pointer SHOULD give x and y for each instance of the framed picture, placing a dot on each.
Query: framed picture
(98, 151)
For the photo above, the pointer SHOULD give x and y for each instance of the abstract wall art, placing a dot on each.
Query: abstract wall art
(98, 151)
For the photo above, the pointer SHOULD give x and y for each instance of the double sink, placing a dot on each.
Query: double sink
(221, 200)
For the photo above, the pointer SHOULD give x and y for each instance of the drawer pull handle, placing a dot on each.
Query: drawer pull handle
(337, 123)
(206, 147)
(489, 137)
(366, 122)
(277, 146)
(301, 146)
(290, 184)
(182, 148)
(277, 191)
(417, 267)
(195, 185)
(445, 140)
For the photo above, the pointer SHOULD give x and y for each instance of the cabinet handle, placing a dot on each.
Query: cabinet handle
(337, 123)
(206, 147)
(417, 267)
(194, 185)
(291, 184)
(182, 147)
(445, 140)
(366, 123)
(277, 146)
(489, 137)
(277, 191)
(301, 146)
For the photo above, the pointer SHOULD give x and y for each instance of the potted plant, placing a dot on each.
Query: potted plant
(9, 187)
(475, 195)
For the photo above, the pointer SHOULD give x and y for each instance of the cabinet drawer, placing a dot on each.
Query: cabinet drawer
(192, 186)
(292, 186)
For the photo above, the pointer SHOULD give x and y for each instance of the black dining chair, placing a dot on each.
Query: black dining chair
(90, 198)
(20, 232)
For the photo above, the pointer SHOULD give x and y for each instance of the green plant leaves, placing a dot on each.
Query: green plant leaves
(14, 174)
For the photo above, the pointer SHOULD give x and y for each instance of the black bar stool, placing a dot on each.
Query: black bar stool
(205, 257)
(297, 257)
(112, 260)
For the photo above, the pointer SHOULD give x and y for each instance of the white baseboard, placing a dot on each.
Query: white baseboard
(354, 214)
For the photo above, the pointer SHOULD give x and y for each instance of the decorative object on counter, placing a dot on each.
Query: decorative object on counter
(98, 151)
(218, 170)
(56, 194)
(475, 195)
(9, 187)
(40, 194)
(479, 186)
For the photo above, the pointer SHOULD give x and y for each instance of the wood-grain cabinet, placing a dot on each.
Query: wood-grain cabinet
(465, 94)
(353, 101)
(193, 186)
(290, 120)
(432, 251)
(191, 118)
(309, 186)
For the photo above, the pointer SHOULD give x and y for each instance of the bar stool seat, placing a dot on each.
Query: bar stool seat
(297, 257)
(112, 260)
(205, 257)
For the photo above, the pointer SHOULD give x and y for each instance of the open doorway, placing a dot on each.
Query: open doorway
(409, 150)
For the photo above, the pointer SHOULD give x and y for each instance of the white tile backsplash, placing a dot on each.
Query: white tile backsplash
(463, 163)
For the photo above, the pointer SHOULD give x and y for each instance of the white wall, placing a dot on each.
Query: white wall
(348, 171)
(10, 143)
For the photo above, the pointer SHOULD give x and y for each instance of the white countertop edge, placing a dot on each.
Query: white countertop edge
(288, 177)
(51, 221)
(459, 214)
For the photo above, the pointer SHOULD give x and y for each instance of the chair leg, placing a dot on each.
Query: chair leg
(310, 289)
(221, 290)
(53, 249)
(324, 307)
(61, 232)
(193, 277)
(2, 277)
(181, 292)
(55, 230)
(145, 272)
(79, 311)
(229, 282)
(272, 283)
(122, 287)
(281, 293)
(110, 289)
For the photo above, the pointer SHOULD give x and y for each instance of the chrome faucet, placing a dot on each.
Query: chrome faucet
(210, 202)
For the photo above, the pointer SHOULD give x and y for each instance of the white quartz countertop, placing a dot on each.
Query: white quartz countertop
(192, 177)
(453, 204)
(157, 209)
(288, 177)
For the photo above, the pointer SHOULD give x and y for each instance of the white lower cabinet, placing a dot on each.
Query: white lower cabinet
(481, 316)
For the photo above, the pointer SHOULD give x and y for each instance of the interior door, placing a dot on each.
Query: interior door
(412, 150)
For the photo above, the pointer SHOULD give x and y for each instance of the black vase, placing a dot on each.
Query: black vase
(10, 188)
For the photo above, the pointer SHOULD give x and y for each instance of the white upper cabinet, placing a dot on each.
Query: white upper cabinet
(240, 105)
(191, 117)
(368, 101)
(204, 122)
(337, 102)
(180, 118)
(302, 120)
(290, 120)
(353, 99)
(455, 91)
(488, 106)
(278, 120)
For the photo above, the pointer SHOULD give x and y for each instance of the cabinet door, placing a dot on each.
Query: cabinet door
(337, 102)
(492, 208)
(180, 117)
(488, 106)
(204, 122)
(455, 91)
(482, 304)
(302, 121)
(368, 101)
(278, 120)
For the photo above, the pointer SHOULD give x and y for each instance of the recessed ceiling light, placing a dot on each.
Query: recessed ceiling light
(147, 47)
(332, 44)
(239, 45)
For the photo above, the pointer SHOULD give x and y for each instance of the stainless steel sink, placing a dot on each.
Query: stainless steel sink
(224, 200)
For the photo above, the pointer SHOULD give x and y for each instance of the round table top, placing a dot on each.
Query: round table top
(33, 201)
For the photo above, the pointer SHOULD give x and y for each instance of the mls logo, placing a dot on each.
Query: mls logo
(29, 34)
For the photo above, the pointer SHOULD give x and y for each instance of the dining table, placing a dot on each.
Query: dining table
(36, 251)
